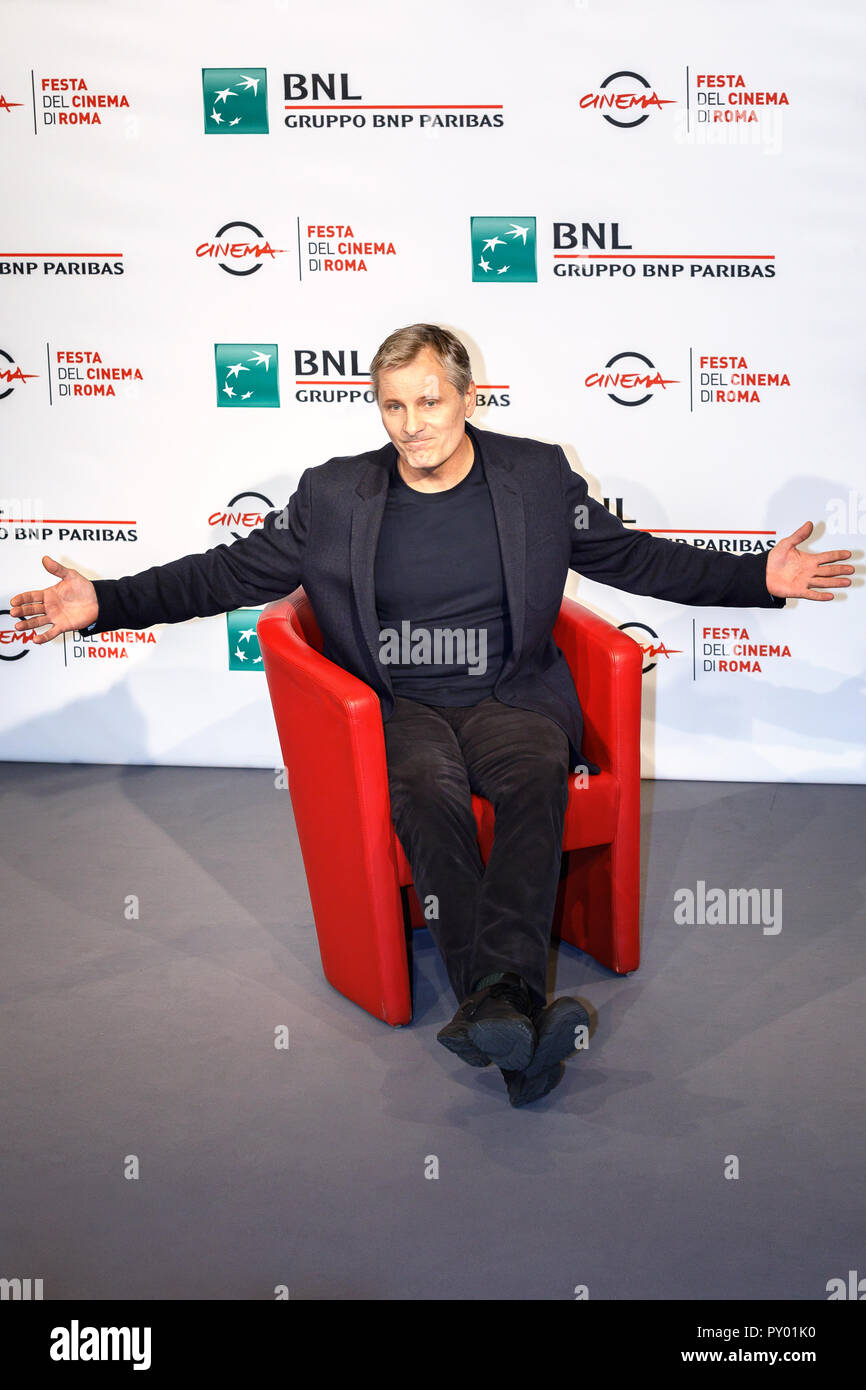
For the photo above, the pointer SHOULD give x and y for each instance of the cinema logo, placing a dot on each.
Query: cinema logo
(105, 646)
(85, 373)
(650, 644)
(237, 253)
(7, 106)
(69, 101)
(629, 379)
(336, 247)
(335, 101)
(726, 109)
(11, 375)
(731, 650)
(731, 380)
(13, 646)
(728, 99)
(625, 99)
(243, 513)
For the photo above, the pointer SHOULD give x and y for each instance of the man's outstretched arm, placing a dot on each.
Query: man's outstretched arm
(605, 550)
(262, 566)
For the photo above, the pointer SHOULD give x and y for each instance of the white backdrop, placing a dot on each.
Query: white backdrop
(681, 187)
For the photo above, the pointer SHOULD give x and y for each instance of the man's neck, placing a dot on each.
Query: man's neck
(440, 480)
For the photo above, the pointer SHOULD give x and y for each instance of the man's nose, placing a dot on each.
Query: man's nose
(413, 424)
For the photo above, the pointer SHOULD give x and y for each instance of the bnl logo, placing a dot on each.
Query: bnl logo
(235, 101)
(503, 249)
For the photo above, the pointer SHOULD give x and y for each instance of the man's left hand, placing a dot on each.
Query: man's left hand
(793, 573)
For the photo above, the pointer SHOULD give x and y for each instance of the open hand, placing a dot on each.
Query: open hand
(793, 573)
(69, 605)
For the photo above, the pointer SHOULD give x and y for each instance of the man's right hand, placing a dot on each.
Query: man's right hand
(69, 605)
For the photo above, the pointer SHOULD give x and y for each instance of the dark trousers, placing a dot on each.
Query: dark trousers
(496, 917)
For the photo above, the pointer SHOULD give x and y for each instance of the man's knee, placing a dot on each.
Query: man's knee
(426, 781)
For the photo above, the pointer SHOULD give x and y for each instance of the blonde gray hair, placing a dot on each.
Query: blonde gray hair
(402, 347)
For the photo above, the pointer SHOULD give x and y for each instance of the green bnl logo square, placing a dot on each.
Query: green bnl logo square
(244, 651)
(503, 248)
(247, 374)
(235, 101)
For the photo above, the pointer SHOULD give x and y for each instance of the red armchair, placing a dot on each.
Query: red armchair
(329, 725)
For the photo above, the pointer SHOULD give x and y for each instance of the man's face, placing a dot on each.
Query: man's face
(423, 412)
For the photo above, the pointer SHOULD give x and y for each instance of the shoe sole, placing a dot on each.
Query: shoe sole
(509, 1042)
(462, 1047)
(531, 1088)
(556, 1042)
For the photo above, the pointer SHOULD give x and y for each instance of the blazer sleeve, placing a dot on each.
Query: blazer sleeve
(262, 566)
(605, 550)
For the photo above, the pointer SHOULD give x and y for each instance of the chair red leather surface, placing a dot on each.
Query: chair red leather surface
(330, 730)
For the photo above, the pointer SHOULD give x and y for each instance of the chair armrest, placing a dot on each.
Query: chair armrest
(606, 667)
(331, 734)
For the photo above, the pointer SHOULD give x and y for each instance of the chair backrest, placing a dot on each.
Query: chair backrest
(303, 619)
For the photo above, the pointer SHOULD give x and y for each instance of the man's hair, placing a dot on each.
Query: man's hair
(402, 347)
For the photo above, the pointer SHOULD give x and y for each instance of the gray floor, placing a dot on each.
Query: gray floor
(305, 1167)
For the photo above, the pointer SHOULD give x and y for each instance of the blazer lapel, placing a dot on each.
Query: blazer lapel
(507, 502)
(368, 508)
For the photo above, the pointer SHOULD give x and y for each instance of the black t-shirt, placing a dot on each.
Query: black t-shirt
(440, 591)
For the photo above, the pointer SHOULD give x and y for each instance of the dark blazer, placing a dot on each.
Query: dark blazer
(325, 539)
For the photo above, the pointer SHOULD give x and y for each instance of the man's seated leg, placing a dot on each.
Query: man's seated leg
(431, 807)
(519, 761)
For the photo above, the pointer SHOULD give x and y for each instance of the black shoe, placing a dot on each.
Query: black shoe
(556, 1026)
(523, 1089)
(494, 1025)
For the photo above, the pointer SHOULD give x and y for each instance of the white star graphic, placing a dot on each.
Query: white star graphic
(228, 390)
(250, 82)
(236, 121)
(255, 659)
(485, 265)
(215, 116)
(491, 244)
(246, 395)
(226, 92)
(233, 371)
(247, 634)
(239, 655)
(503, 270)
(518, 231)
(261, 359)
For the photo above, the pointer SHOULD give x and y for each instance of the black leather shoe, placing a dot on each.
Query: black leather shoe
(556, 1026)
(523, 1089)
(494, 1025)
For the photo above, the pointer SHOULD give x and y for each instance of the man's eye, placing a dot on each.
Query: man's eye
(431, 402)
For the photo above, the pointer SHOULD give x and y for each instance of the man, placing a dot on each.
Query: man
(435, 567)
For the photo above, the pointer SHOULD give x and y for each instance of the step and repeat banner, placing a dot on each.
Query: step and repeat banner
(642, 220)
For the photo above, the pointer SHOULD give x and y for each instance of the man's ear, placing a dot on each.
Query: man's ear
(470, 399)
